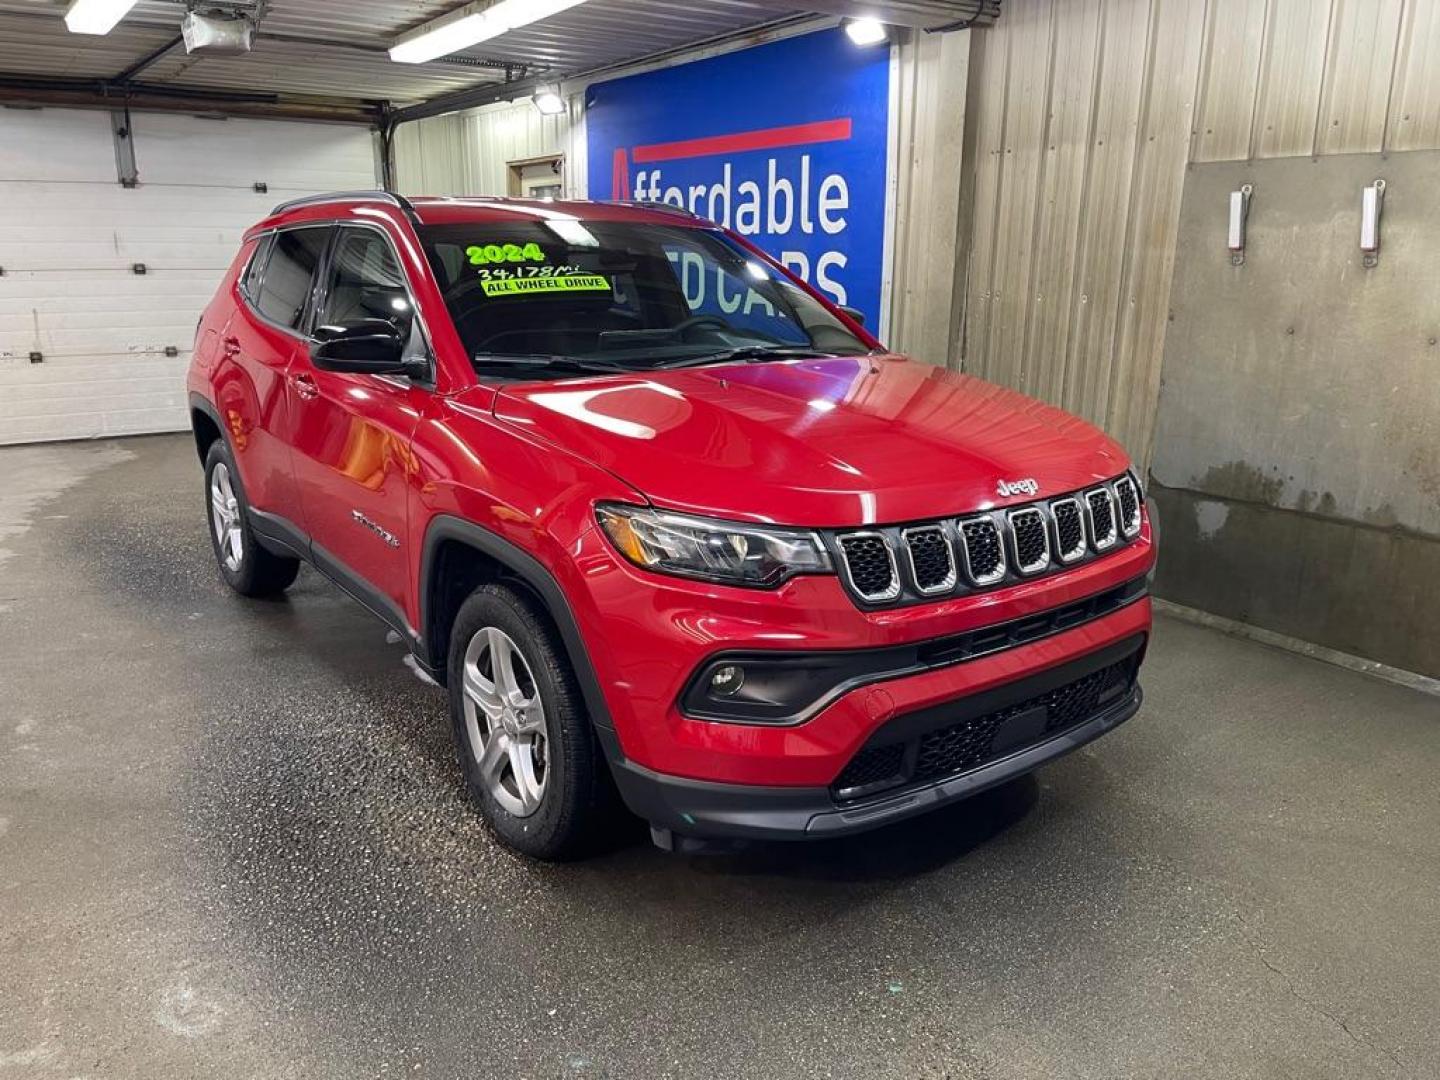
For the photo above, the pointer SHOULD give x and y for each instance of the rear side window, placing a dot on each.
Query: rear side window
(289, 273)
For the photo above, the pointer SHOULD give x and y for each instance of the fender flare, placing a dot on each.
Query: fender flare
(200, 403)
(533, 573)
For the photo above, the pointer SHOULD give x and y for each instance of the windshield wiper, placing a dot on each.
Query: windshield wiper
(550, 361)
(750, 354)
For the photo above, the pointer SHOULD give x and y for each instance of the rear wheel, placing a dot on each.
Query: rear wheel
(246, 567)
(530, 757)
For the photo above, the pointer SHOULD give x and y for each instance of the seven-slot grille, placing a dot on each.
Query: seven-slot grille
(887, 565)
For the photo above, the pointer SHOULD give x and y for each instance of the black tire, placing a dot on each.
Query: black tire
(578, 798)
(256, 572)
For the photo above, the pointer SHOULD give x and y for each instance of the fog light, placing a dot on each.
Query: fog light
(727, 680)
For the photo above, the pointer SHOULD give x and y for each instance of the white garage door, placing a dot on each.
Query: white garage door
(83, 335)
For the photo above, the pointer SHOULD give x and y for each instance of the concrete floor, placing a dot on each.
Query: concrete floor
(233, 842)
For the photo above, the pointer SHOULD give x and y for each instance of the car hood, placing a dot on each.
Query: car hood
(838, 441)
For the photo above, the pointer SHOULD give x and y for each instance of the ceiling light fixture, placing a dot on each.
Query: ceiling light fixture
(95, 16)
(866, 31)
(469, 26)
(548, 100)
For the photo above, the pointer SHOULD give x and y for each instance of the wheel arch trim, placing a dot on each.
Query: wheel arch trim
(199, 403)
(534, 574)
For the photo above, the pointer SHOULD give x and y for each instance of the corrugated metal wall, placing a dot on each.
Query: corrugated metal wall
(468, 153)
(1083, 115)
(925, 301)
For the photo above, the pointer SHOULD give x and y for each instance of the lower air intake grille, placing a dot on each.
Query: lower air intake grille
(869, 566)
(870, 768)
(967, 745)
(984, 557)
(971, 743)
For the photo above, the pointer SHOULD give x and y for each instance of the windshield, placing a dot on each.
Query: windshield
(556, 295)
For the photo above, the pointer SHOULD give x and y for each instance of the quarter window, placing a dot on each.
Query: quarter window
(289, 275)
(251, 282)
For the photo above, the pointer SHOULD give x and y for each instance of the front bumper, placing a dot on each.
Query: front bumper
(647, 635)
(705, 809)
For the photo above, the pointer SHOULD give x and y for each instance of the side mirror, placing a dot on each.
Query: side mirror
(854, 313)
(365, 346)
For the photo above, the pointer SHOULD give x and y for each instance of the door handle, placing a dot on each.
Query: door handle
(232, 346)
(304, 384)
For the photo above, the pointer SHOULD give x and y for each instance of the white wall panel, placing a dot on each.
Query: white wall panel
(288, 157)
(70, 236)
(57, 145)
(469, 153)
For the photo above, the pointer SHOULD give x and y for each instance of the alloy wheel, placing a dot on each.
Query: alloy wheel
(505, 719)
(225, 518)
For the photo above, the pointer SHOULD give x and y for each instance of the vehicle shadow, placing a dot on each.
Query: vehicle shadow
(906, 849)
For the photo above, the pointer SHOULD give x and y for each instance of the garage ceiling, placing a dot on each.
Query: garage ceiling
(314, 51)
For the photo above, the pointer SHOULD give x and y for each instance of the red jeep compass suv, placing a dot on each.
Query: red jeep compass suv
(665, 521)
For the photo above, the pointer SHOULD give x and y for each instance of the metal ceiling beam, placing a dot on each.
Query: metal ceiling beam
(149, 97)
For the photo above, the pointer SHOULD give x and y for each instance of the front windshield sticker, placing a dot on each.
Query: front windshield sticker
(568, 283)
(480, 255)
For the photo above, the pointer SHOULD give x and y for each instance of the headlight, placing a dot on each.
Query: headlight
(729, 552)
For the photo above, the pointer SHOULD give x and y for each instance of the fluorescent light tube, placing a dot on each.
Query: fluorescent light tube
(471, 26)
(438, 39)
(95, 16)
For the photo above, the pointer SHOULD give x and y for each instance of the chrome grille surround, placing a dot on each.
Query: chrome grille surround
(1127, 503)
(981, 525)
(1103, 534)
(892, 589)
(1060, 511)
(902, 564)
(908, 537)
(1029, 518)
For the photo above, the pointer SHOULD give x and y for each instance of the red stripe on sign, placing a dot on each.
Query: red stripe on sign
(765, 139)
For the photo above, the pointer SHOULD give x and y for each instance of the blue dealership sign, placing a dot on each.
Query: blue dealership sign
(786, 143)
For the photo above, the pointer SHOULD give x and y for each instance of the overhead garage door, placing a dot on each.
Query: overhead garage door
(100, 285)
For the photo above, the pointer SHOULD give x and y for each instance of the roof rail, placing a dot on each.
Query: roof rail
(656, 204)
(337, 196)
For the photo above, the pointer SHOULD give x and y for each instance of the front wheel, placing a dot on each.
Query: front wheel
(246, 567)
(531, 760)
